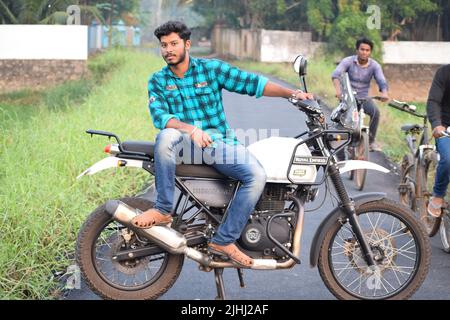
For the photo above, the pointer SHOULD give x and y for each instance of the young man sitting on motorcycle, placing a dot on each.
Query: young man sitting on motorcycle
(438, 112)
(185, 103)
(361, 69)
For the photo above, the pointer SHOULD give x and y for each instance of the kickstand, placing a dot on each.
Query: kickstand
(241, 277)
(218, 272)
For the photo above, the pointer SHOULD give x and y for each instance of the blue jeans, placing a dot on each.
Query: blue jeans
(235, 161)
(443, 168)
(371, 109)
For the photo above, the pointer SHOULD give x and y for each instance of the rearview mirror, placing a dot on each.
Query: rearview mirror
(300, 65)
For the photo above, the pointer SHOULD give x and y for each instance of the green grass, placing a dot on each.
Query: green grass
(43, 148)
(389, 134)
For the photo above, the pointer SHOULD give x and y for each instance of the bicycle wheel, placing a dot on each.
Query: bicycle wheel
(362, 153)
(350, 155)
(444, 231)
(425, 174)
(407, 187)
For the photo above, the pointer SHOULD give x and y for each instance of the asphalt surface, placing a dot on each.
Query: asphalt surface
(301, 282)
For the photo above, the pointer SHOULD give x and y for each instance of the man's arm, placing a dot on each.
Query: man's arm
(272, 89)
(337, 87)
(200, 137)
(381, 81)
(340, 69)
(434, 102)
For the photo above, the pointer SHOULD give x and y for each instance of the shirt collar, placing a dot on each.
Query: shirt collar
(355, 60)
(192, 64)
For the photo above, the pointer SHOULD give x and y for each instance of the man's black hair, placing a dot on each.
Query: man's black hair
(365, 41)
(173, 26)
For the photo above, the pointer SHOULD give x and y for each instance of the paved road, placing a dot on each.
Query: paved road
(301, 282)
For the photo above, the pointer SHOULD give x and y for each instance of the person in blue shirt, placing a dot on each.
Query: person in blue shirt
(185, 102)
(361, 69)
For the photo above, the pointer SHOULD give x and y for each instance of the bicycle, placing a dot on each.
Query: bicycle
(417, 171)
(359, 148)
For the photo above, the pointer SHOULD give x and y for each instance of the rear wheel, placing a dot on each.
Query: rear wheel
(400, 246)
(425, 176)
(362, 153)
(99, 241)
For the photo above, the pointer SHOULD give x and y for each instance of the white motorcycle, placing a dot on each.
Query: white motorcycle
(368, 247)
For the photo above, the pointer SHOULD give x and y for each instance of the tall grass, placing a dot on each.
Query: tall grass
(42, 205)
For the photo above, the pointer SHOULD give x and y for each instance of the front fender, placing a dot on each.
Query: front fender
(331, 218)
(350, 165)
(111, 162)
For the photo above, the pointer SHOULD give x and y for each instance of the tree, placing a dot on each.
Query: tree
(341, 22)
(54, 11)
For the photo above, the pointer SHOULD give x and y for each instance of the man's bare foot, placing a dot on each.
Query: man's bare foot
(150, 218)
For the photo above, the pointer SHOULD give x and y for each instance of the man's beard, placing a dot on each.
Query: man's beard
(180, 60)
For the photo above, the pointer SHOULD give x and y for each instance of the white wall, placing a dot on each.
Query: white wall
(416, 52)
(28, 42)
(285, 46)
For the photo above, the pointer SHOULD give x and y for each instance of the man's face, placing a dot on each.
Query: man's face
(173, 48)
(363, 52)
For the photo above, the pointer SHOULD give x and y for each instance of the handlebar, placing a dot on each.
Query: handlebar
(405, 107)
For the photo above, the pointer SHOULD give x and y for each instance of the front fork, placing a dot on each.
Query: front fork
(349, 210)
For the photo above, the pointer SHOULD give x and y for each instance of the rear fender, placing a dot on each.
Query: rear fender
(111, 162)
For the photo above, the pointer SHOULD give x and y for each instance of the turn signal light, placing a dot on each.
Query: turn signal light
(107, 148)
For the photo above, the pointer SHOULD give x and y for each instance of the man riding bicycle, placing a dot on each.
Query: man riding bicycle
(438, 111)
(361, 69)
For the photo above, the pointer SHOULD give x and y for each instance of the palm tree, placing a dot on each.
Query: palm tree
(42, 11)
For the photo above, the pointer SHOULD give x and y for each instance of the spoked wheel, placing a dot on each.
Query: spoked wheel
(444, 230)
(425, 176)
(101, 239)
(350, 155)
(362, 153)
(407, 189)
(401, 250)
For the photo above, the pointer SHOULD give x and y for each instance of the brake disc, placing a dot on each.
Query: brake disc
(382, 245)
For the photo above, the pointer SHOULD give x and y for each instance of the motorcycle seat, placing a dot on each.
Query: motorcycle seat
(182, 170)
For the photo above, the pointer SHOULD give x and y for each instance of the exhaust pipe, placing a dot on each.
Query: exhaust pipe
(164, 236)
(173, 241)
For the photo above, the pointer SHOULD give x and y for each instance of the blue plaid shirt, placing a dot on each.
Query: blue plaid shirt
(197, 97)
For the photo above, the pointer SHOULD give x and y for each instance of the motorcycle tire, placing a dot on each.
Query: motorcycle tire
(328, 263)
(98, 283)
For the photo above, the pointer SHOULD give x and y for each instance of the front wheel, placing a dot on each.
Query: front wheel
(101, 239)
(362, 153)
(400, 246)
(444, 231)
(407, 188)
(425, 177)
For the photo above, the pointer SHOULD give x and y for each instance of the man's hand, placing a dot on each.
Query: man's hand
(437, 131)
(201, 138)
(384, 97)
(300, 95)
(338, 95)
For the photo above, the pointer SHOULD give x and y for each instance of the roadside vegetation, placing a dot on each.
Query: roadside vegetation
(44, 147)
